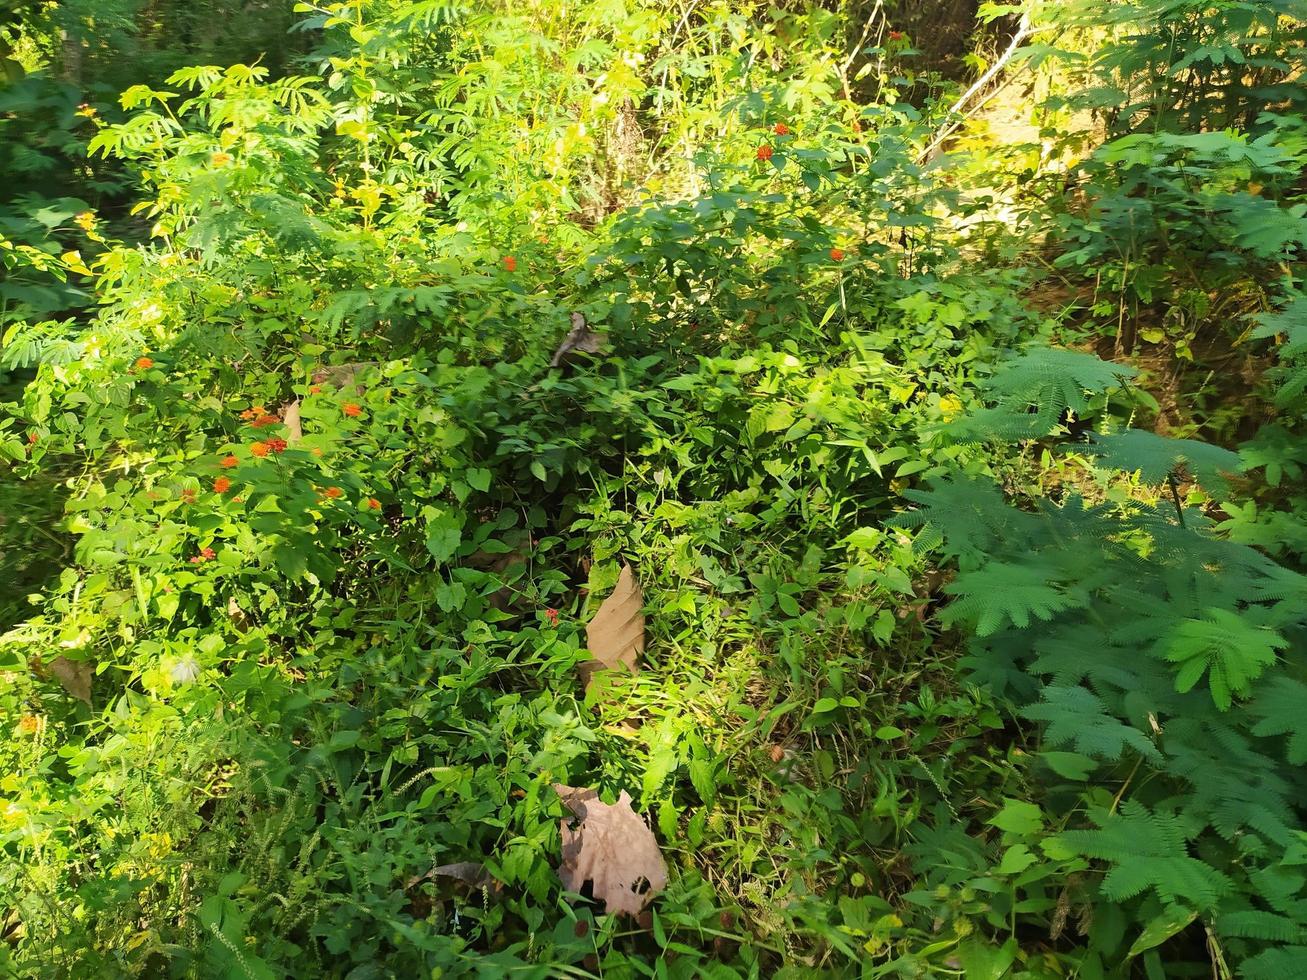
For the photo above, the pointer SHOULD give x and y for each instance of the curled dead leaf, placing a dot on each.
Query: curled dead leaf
(610, 846)
(616, 634)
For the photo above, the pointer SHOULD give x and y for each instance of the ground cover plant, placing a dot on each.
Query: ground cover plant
(652, 489)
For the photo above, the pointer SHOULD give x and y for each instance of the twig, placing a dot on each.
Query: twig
(1023, 31)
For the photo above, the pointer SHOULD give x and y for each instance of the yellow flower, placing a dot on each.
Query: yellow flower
(85, 220)
(220, 159)
(950, 406)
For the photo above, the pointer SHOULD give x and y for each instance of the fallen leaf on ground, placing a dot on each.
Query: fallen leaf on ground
(75, 676)
(616, 634)
(580, 339)
(611, 847)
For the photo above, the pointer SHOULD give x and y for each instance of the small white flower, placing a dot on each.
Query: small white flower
(185, 671)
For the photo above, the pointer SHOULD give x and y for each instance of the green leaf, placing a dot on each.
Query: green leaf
(1070, 765)
(1018, 817)
(1162, 927)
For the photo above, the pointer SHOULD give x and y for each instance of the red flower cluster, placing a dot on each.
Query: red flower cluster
(206, 554)
(837, 254)
(333, 493)
(552, 616)
(351, 409)
(781, 129)
(896, 35)
(144, 364)
(32, 437)
(276, 445)
(510, 263)
(764, 152)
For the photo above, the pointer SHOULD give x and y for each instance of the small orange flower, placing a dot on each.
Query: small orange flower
(32, 438)
(896, 35)
(352, 410)
(780, 129)
(221, 485)
(144, 364)
(315, 389)
(30, 724)
(259, 448)
(229, 461)
(277, 445)
(333, 493)
(264, 420)
(206, 554)
(374, 503)
(220, 159)
(510, 263)
(837, 254)
(764, 152)
(552, 616)
(317, 450)
(188, 496)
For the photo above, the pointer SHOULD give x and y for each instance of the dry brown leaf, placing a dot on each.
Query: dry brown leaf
(75, 676)
(611, 847)
(580, 339)
(290, 418)
(616, 634)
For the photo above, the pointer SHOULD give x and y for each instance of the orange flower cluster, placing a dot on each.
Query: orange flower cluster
(256, 412)
(333, 493)
(374, 503)
(510, 263)
(259, 449)
(764, 152)
(263, 420)
(229, 461)
(188, 496)
(30, 724)
(144, 364)
(221, 485)
(781, 129)
(206, 554)
(837, 254)
(276, 445)
(351, 409)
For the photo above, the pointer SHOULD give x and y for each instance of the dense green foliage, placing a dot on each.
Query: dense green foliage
(969, 652)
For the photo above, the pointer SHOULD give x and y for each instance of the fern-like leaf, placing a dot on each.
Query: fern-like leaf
(1002, 592)
(1155, 458)
(1224, 646)
(1281, 706)
(1147, 850)
(1077, 717)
